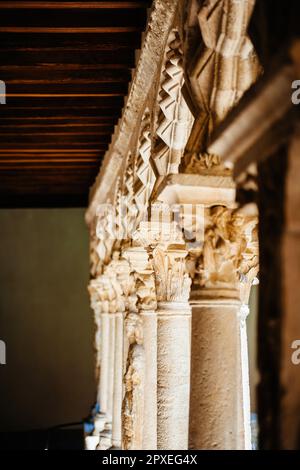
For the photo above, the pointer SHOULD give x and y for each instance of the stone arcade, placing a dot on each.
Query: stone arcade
(174, 251)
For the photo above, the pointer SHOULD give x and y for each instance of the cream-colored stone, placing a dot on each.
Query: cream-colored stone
(141, 263)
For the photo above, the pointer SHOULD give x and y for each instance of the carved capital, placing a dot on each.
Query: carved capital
(168, 255)
(122, 285)
(142, 270)
(94, 289)
(228, 259)
(171, 279)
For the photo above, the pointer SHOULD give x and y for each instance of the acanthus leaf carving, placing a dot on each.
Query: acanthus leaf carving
(171, 279)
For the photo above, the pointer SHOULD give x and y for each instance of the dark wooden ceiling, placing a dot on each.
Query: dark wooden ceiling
(67, 66)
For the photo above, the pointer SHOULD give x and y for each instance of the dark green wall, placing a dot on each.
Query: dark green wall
(45, 319)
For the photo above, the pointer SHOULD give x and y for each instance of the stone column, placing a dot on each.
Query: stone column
(221, 271)
(94, 288)
(146, 303)
(100, 304)
(134, 385)
(107, 363)
(133, 368)
(118, 377)
(115, 298)
(95, 303)
(173, 332)
(149, 323)
(102, 418)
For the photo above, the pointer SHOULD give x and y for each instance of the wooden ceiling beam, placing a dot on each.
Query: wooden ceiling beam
(64, 138)
(66, 66)
(51, 158)
(57, 130)
(57, 120)
(68, 129)
(61, 41)
(60, 58)
(46, 112)
(13, 161)
(44, 200)
(75, 5)
(14, 146)
(50, 150)
(69, 30)
(63, 95)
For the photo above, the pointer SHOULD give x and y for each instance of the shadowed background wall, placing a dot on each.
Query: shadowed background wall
(45, 319)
